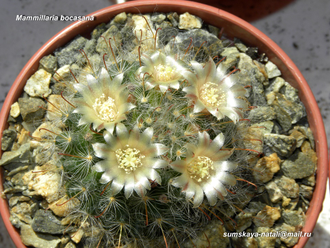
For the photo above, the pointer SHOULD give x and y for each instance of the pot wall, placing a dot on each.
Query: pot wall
(233, 27)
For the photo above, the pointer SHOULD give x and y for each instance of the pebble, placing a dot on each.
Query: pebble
(48, 63)
(299, 165)
(198, 36)
(30, 109)
(174, 18)
(214, 30)
(70, 53)
(274, 192)
(215, 237)
(70, 245)
(266, 167)
(113, 32)
(267, 216)
(298, 136)
(287, 112)
(261, 114)
(15, 199)
(48, 184)
(188, 21)
(264, 241)
(65, 209)
(46, 222)
(289, 240)
(290, 93)
(288, 186)
(275, 86)
(120, 18)
(306, 191)
(7, 139)
(294, 217)
(243, 221)
(15, 110)
(22, 155)
(272, 70)
(283, 145)
(140, 23)
(158, 18)
(249, 242)
(38, 84)
(63, 73)
(77, 236)
(30, 238)
(253, 139)
(98, 31)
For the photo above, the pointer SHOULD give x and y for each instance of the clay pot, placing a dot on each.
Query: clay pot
(234, 27)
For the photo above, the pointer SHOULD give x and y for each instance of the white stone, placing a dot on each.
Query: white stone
(38, 84)
(76, 237)
(188, 21)
(141, 24)
(48, 184)
(120, 18)
(272, 70)
(64, 206)
(15, 110)
(63, 73)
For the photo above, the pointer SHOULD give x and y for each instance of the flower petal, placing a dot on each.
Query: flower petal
(179, 181)
(189, 90)
(163, 88)
(109, 127)
(159, 149)
(203, 139)
(109, 138)
(100, 150)
(159, 163)
(100, 167)
(154, 176)
(121, 131)
(221, 166)
(199, 106)
(116, 187)
(217, 143)
(129, 187)
(226, 178)
(199, 197)
(211, 194)
(105, 178)
(220, 188)
(179, 166)
(147, 134)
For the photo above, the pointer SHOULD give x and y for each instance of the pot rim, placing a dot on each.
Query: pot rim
(211, 15)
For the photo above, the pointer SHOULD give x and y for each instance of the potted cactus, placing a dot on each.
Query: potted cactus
(158, 131)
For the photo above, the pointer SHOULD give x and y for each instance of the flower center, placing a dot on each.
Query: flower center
(105, 108)
(164, 73)
(211, 95)
(199, 168)
(129, 159)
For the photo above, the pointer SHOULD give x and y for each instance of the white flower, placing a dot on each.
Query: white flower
(103, 102)
(129, 160)
(164, 71)
(205, 170)
(213, 90)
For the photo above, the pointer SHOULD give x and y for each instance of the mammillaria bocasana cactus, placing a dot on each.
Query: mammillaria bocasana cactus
(148, 143)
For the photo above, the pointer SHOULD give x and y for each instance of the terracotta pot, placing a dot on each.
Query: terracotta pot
(234, 27)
